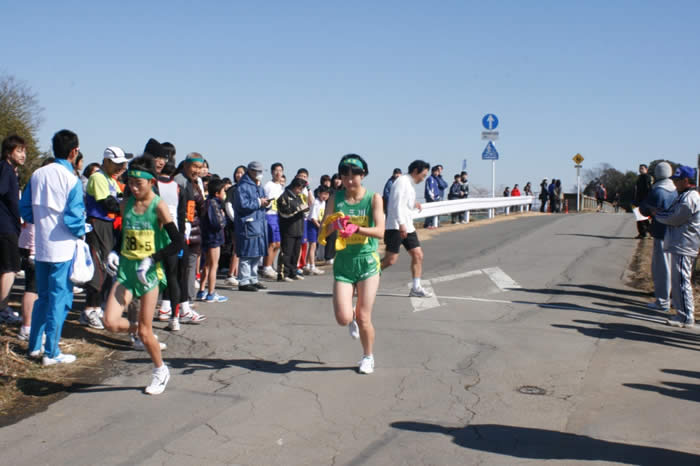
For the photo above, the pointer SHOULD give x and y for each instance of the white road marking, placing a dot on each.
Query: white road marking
(501, 279)
(455, 276)
(423, 304)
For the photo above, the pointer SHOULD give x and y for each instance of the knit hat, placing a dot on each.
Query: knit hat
(156, 149)
(662, 171)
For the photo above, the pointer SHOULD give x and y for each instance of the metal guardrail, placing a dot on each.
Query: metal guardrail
(432, 209)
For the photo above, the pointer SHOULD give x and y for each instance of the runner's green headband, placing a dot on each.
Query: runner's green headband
(195, 159)
(353, 161)
(140, 174)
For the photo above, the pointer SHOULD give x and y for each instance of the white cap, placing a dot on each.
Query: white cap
(115, 154)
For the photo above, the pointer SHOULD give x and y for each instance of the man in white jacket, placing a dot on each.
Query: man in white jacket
(54, 204)
(399, 224)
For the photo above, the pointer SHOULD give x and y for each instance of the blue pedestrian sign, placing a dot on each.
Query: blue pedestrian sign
(490, 152)
(490, 121)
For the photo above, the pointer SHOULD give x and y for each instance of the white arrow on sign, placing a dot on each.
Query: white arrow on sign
(490, 121)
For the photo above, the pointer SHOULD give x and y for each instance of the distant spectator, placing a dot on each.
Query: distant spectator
(616, 201)
(515, 191)
(661, 197)
(558, 196)
(682, 240)
(432, 194)
(387, 186)
(213, 237)
(456, 193)
(544, 195)
(601, 194)
(506, 192)
(641, 191)
(292, 207)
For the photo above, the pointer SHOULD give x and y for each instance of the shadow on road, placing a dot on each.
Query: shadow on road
(683, 391)
(612, 295)
(192, 365)
(607, 289)
(603, 330)
(531, 443)
(595, 236)
(40, 388)
(304, 294)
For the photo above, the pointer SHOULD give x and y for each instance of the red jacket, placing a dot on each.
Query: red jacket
(515, 192)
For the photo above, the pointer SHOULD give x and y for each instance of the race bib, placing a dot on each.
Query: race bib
(138, 244)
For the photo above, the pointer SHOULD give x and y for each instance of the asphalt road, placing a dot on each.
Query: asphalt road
(533, 350)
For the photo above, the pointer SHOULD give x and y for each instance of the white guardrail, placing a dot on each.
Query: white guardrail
(432, 209)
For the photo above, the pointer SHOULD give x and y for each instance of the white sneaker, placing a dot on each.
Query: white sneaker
(331, 261)
(287, 279)
(192, 317)
(232, 281)
(138, 345)
(77, 290)
(354, 329)
(678, 322)
(420, 293)
(164, 314)
(60, 359)
(173, 325)
(306, 270)
(317, 271)
(92, 319)
(22, 335)
(269, 273)
(366, 365)
(161, 375)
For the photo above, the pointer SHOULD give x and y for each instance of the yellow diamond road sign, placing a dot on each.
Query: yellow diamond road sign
(578, 158)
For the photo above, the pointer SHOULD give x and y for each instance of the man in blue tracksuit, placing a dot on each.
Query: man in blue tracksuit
(434, 191)
(682, 241)
(53, 202)
(661, 196)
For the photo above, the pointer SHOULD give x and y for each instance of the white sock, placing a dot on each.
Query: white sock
(185, 308)
(165, 305)
(161, 369)
(416, 283)
(25, 329)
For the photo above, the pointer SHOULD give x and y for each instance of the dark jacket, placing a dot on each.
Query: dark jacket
(193, 201)
(455, 191)
(642, 188)
(249, 221)
(291, 209)
(213, 223)
(9, 199)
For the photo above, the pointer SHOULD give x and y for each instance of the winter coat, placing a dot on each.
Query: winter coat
(291, 209)
(193, 200)
(642, 188)
(250, 223)
(683, 220)
(213, 224)
(432, 189)
(455, 191)
(662, 195)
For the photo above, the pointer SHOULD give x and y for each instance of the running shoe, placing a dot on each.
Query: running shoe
(259, 286)
(657, 307)
(77, 290)
(366, 365)
(9, 316)
(330, 262)
(678, 322)
(164, 314)
(139, 346)
(37, 354)
(161, 376)
(307, 270)
(216, 298)
(173, 325)
(21, 335)
(201, 295)
(420, 293)
(317, 271)
(60, 359)
(268, 272)
(249, 287)
(287, 279)
(298, 277)
(94, 320)
(354, 329)
(232, 281)
(192, 317)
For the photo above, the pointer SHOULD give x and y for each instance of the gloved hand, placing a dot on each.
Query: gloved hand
(339, 224)
(188, 232)
(112, 265)
(349, 230)
(143, 269)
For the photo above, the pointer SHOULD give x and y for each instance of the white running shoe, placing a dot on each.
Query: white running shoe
(139, 346)
(22, 335)
(173, 325)
(654, 305)
(330, 262)
(77, 290)
(192, 317)
(420, 293)
(366, 365)
(232, 281)
(93, 319)
(354, 329)
(164, 314)
(60, 359)
(161, 375)
(268, 272)
(317, 271)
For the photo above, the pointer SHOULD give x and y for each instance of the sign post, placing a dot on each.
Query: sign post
(490, 153)
(578, 158)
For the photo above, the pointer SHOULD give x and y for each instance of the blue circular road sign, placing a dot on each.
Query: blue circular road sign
(490, 121)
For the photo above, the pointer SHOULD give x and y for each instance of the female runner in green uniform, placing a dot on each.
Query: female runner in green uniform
(357, 265)
(148, 235)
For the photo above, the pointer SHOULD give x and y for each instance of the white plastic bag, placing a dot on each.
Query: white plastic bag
(83, 268)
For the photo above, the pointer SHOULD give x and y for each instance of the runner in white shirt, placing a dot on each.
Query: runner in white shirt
(273, 189)
(399, 224)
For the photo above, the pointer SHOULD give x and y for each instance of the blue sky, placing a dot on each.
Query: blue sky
(306, 82)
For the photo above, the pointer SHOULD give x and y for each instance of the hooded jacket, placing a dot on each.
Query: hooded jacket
(661, 196)
(683, 220)
(250, 223)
